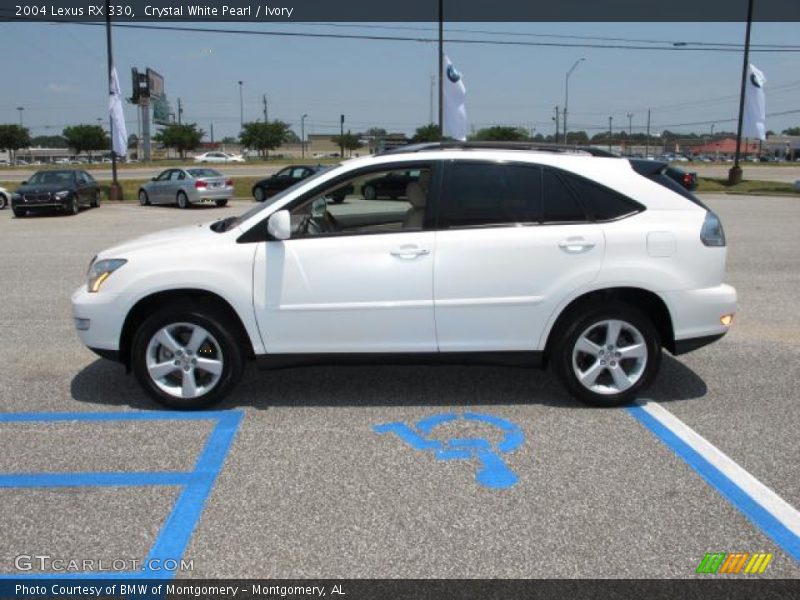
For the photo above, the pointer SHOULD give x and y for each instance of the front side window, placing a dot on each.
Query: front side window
(480, 194)
(164, 175)
(349, 207)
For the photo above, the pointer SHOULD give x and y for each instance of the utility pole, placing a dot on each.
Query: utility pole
(303, 136)
(647, 139)
(610, 119)
(630, 132)
(441, 68)
(212, 133)
(556, 120)
(433, 87)
(341, 136)
(266, 115)
(20, 109)
(180, 111)
(735, 174)
(241, 107)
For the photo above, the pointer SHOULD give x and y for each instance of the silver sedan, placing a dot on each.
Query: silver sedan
(185, 186)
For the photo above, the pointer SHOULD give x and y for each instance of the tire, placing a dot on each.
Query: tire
(177, 387)
(589, 347)
(183, 201)
(221, 203)
(74, 207)
(338, 199)
(3, 201)
(95, 203)
(258, 194)
(370, 193)
(19, 212)
(144, 199)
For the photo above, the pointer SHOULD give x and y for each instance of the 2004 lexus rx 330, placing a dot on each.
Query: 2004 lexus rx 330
(587, 262)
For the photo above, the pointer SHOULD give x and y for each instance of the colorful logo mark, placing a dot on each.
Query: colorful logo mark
(734, 563)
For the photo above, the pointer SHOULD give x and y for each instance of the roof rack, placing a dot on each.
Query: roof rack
(428, 146)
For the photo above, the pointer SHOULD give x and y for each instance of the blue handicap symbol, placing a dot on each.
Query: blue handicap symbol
(492, 473)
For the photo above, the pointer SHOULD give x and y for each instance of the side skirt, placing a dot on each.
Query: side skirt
(508, 359)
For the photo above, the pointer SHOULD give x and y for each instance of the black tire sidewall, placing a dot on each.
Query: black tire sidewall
(144, 199)
(256, 193)
(577, 324)
(185, 203)
(3, 202)
(221, 203)
(215, 324)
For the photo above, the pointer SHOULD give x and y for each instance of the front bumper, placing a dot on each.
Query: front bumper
(52, 204)
(696, 315)
(97, 319)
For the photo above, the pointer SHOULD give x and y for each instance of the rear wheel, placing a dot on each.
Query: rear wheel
(183, 201)
(259, 195)
(222, 202)
(144, 200)
(3, 201)
(607, 354)
(186, 358)
(370, 193)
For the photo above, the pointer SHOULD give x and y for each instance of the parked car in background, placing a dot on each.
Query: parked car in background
(65, 190)
(185, 186)
(393, 185)
(687, 179)
(218, 157)
(3, 198)
(292, 175)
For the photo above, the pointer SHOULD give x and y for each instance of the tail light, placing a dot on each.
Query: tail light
(712, 234)
(200, 185)
(229, 182)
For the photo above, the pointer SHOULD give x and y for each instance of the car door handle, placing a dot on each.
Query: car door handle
(575, 245)
(409, 251)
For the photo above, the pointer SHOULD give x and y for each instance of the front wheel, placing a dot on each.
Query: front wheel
(74, 208)
(185, 358)
(370, 193)
(95, 203)
(606, 355)
(3, 201)
(259, 195)
(18, 212)
(144, 200)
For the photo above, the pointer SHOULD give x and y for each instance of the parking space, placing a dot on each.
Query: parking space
(390, 471)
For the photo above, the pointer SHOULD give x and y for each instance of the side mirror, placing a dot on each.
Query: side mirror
(279, 225)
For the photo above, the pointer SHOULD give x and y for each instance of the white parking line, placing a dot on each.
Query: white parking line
(768, 511)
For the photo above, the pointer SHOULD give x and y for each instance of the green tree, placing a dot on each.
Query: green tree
(264, 136)
(348, 141)
(49, 141)
(427, 133)
(500, 133)
(791, 131)
(86, 138)
(183, 137)
(375, 132)
(14, 137)
(228, 139)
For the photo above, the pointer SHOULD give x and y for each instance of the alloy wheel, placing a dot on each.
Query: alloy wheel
(609, 356)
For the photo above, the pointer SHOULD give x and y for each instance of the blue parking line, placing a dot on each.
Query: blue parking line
(174, 537)
(34, 480)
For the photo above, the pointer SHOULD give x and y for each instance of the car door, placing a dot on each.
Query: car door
(280, 181)
(156, 188)
(513, 241)
(367, 288)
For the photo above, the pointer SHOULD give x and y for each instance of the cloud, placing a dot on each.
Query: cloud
(61, 88)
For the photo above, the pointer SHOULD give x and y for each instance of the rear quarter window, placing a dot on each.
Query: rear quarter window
(600, 202)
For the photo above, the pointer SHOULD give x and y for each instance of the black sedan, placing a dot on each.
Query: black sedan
(283, 179)
(392, 185)
(64, 190)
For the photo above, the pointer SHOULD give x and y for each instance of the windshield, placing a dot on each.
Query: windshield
(236, 221)
(54, 177)
(203, 173)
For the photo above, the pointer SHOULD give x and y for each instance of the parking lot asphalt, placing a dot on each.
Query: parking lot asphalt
(306, 487)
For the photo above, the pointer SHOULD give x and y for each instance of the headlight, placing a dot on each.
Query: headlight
(62, 194)
(101, 270)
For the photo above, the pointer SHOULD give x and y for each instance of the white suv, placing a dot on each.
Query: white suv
(578, 259)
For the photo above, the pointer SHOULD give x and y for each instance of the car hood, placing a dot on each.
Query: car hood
(40, 188)
(187, 235)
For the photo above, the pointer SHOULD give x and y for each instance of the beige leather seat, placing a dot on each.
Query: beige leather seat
(417, 197)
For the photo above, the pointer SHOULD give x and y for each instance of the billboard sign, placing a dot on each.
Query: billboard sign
(155, 84)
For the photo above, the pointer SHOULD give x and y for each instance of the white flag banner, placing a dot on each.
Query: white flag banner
(454, 106)
(120, 134)
(754, 123)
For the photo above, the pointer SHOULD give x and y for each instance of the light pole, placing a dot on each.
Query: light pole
(566, 94)
(610, 119)
(20, 109)
(716, 150)
(303, 135)
(735, 173)
(241, 107)
(630, 132)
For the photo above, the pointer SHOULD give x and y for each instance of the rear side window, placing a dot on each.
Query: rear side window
(558, 203)
(601, 203)
(490, 193)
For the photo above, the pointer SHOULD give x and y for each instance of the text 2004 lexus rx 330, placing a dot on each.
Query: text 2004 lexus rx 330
(541, 256)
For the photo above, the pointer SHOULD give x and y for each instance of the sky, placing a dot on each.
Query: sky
(57, 73)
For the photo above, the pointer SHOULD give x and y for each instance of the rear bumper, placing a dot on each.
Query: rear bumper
(211, 194)
(696, 315)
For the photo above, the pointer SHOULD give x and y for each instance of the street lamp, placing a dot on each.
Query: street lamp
(20, 109)
(303, 135)
(630, 132)
(610, 119)
(241, 107)
(566, 94)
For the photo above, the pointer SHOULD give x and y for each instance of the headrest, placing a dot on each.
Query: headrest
(416, 195)
(425, 180)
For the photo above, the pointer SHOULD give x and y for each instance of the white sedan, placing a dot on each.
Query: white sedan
(218, 157)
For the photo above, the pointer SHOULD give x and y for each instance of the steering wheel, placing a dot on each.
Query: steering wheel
(312, 225)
